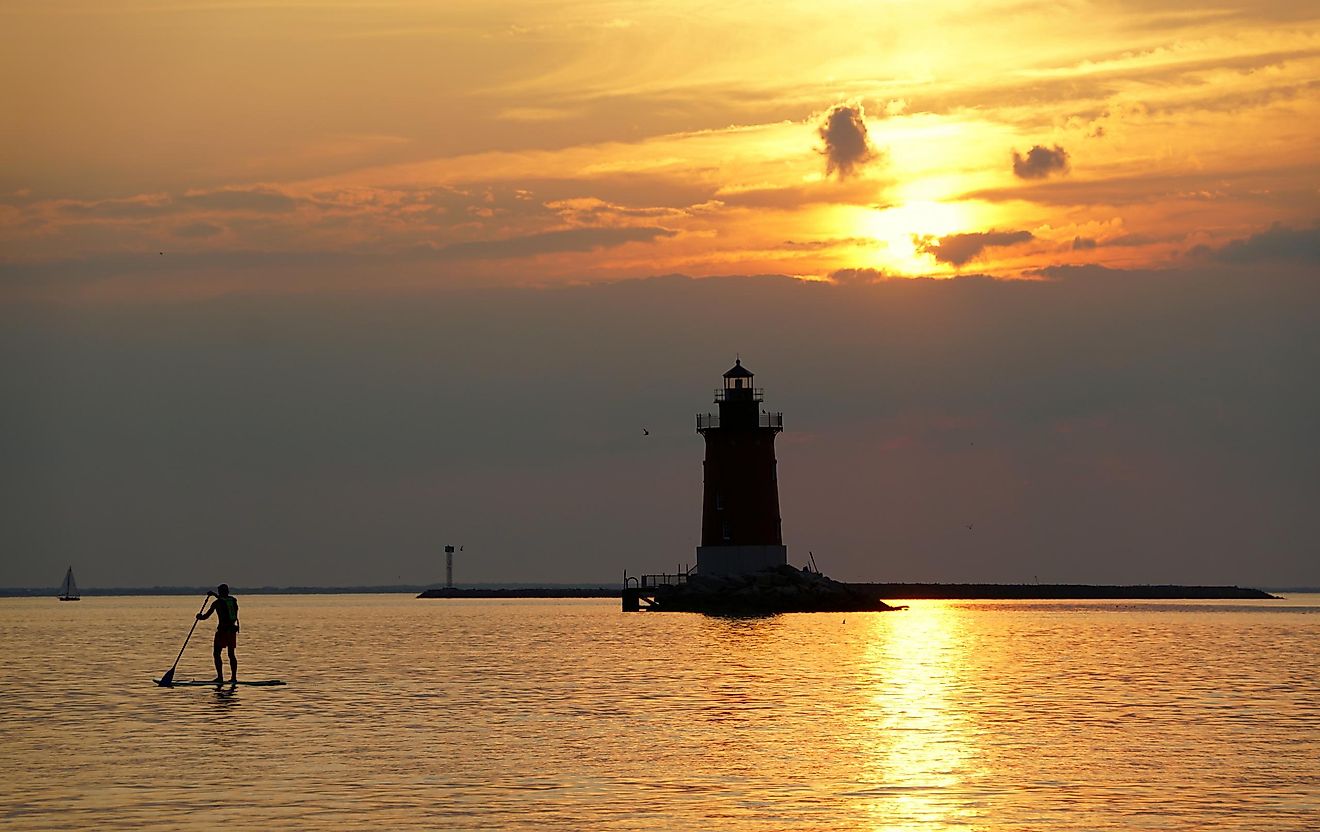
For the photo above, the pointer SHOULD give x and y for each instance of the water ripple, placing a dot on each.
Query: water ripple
(407, 714)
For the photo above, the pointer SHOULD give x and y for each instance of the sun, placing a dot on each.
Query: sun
(897, 229)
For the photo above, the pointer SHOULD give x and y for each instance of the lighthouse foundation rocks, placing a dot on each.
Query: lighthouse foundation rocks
(778, 589)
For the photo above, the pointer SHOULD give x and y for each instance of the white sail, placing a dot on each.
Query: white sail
(69, 589)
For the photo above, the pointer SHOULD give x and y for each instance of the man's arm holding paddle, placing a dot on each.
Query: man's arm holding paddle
(211, 609)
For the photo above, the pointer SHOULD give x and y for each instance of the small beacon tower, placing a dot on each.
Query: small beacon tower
(740, 503)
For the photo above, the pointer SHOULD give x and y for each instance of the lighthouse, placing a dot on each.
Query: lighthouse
(740, 502)
(742, 563)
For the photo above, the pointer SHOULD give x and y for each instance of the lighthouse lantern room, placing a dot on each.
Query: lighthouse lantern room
(740, 526)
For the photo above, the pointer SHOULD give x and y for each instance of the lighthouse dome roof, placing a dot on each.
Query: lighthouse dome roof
(738, 370)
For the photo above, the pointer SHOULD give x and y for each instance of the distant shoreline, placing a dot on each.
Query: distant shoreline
(895, 591)
(911, 592)
(1011, 592)
(389, 589)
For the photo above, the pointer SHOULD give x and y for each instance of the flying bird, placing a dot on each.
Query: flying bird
(645, 432)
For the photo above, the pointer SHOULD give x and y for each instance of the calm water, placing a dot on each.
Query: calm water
(403, 713)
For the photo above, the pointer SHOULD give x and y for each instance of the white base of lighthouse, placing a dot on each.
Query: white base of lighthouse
(725, 561)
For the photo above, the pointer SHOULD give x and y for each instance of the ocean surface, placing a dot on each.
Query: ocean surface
(547, 714)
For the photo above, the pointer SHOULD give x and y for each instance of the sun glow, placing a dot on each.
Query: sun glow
(900, 228)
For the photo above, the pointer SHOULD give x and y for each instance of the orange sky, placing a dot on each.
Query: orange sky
(300, 144)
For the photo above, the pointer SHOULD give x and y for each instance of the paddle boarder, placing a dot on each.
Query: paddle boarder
(225, 608)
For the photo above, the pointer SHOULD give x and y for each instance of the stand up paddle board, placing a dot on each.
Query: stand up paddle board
(198, 683)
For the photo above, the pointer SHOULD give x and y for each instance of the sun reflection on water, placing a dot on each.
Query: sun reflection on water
(917, 748)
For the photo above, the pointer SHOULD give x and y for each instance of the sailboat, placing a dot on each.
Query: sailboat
(69, 589)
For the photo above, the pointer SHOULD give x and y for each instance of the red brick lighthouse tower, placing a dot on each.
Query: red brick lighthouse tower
(740, 504)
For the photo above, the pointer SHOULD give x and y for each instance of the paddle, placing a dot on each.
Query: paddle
(168, 679)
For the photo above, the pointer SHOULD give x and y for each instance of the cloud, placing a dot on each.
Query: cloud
(314, 416)
(198, 230)
(247, 200)
(178, 273)
(1078, 272)
(258, 200)
(1040, 162)
(551, 242)
(128, 208)
(798, 196)
(959, 249)
(1083, 243)
(592, 211)
(1279, 243)
(847, 146)
(829, 244)
(631, 188)
(1138, 240)
(857, 277)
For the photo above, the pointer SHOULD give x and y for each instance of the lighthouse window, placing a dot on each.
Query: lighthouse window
(726, 531)
(719, 501)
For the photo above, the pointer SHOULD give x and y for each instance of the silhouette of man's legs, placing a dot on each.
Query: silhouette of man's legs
(233, 664)
(219, 674)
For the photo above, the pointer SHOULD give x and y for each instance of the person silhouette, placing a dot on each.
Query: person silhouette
(225, 607)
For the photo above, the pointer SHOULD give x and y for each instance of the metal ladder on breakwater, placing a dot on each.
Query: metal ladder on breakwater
(640, 592)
